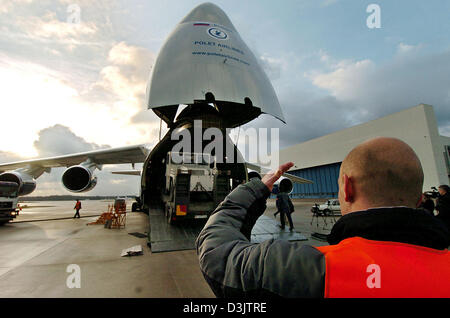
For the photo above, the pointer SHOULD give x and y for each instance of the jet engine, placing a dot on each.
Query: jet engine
(254, 174)
(79, 178)
(283, 185)
(27, 183)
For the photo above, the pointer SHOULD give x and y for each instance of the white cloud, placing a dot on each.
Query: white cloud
(404, 48)
(50, 26)
(126, 75)
(345, 79)
(272, 66)
(49, 29)
(6, 156)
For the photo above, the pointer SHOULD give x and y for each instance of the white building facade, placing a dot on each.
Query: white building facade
(319, 159)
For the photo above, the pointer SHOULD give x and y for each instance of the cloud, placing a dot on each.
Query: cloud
(74, 74)
(272, 66)
(404, 48)
(307, 116)
(374, 91)
(60, 140)
(7, 156)
(342, 81)
(122, 82)
(326, 3)
(48, 26)
(74, 82)
(89, 83)
(344, 93)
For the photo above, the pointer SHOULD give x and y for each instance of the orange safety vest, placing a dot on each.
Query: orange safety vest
(361, 268)
(78, 206)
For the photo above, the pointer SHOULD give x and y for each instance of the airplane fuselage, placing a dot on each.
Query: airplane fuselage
(230, 170)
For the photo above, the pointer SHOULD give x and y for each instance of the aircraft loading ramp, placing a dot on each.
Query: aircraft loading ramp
(168, 238)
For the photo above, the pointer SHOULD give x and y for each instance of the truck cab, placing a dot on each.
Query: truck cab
(8, 201)
(191, 181)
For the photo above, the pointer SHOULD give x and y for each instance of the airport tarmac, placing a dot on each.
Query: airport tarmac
(35, 255)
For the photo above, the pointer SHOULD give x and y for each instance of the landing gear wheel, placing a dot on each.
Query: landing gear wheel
(134, 207)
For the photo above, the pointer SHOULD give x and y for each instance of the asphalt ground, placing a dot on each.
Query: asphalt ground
(38, 252)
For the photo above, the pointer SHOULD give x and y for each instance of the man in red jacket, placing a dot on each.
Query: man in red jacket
(381, 247)
(77, 209)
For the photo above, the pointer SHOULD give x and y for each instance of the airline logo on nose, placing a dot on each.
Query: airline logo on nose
(217, 33)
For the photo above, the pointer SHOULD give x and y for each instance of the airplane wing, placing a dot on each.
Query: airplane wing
(128, 172)
(291, 177)
(129, 154)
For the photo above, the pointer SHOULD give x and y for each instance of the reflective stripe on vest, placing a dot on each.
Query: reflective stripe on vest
(357, 267)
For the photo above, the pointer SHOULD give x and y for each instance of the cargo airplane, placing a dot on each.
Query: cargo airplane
(204, 72)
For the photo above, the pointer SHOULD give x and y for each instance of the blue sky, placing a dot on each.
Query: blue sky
(338, 27)
(320, 56)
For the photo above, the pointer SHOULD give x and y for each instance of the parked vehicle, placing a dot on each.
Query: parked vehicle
(194, 186)
(8, 201)
(331, 207)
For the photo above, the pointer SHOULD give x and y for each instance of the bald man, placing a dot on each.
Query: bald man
(381, 247)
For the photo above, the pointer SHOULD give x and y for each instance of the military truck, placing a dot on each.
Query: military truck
(194, 186)
(8, 201)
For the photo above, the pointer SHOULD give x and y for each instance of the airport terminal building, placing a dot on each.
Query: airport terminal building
(320, 159)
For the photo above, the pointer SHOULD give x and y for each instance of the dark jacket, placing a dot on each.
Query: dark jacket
(428, 205)
(234, 267)
(443, 206)
(284, 203)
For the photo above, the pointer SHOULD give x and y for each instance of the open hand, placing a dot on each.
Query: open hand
(270, 178)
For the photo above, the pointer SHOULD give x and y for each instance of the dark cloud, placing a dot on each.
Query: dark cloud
(357, 92)
(404, 82)
(305, 119)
